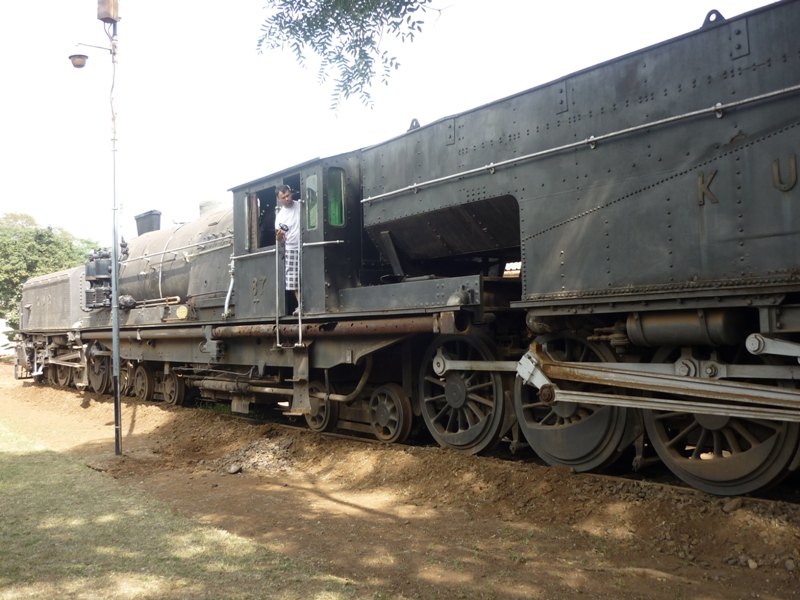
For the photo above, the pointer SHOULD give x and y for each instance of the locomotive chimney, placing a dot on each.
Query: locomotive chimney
(147, 222)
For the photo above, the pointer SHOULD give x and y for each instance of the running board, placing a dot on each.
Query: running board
(536, 368)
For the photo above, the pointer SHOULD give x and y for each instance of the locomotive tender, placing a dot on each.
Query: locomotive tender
(652, 201)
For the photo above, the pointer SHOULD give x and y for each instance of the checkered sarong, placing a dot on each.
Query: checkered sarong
(292, 268)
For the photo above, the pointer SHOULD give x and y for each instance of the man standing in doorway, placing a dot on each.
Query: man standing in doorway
(287, 230)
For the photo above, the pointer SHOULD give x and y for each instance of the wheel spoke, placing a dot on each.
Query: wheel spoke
(435, 398)
(733, 443)
(717, 444)
(441, 413)
(744, 432)
(549, 416)
(470, 377)
(686, 431)
(475, 409)
(435, 380)
(774, 425)
(464, 420)
(701, 441)
(481, 400)
(481, 386)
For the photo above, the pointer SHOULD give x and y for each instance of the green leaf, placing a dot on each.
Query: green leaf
(345, 34)
(29, 250)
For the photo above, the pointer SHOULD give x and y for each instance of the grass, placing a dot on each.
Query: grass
(70, 532)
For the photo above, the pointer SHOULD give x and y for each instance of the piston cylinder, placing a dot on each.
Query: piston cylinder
(714, 327)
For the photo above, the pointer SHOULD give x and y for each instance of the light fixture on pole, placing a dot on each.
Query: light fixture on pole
(78, 60)
(108, 13)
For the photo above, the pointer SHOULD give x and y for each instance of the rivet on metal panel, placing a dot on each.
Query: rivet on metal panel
(740, 45)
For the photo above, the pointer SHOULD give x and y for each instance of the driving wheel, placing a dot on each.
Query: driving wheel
(723, 455)
(463, 409)
(583, 436)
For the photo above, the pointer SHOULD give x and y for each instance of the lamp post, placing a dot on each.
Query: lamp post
(108, 13)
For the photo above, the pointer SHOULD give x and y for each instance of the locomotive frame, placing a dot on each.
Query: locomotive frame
(650, 202)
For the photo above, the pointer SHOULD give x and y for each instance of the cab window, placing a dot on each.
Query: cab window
(336, 197)
(312, 209)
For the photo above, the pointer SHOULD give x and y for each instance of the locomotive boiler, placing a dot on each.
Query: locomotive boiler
(651, 202)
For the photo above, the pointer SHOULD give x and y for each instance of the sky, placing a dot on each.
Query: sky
(199, 111)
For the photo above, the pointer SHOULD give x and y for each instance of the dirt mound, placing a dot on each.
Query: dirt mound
(263, 456)
(409, 521)
(684, 523)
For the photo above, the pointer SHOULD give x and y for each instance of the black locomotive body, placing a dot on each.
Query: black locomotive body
(650, 202)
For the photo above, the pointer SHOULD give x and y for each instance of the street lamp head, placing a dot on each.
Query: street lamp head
(78, 60)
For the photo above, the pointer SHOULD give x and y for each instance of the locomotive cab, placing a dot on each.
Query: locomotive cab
(328, 195)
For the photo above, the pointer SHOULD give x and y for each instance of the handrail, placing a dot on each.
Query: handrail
(262, 253)
(175, 250)
(591, 141)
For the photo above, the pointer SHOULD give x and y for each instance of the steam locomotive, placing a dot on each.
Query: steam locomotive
(652, 204)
